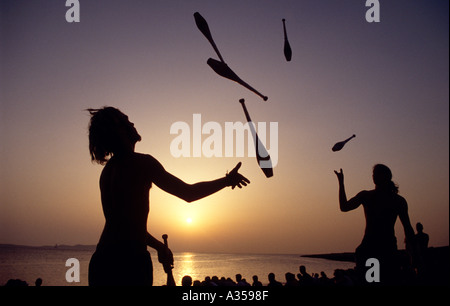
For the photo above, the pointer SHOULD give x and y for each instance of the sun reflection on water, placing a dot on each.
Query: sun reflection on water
(185, 266)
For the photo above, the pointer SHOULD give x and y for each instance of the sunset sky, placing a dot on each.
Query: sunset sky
(386, 82)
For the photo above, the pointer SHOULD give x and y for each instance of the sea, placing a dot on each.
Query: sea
(56, 266)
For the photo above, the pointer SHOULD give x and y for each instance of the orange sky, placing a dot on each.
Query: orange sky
(387, 83)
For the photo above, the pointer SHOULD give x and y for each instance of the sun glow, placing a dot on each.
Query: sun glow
(188, 220)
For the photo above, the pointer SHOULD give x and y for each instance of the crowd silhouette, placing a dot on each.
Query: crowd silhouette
(418, 264)
(431, 267)
(21, 283)
(428, 272)
(303, 279)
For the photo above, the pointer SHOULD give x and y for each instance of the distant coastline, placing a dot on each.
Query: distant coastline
(56, 246)
(346, 256)
(438, 263)
(437, 253)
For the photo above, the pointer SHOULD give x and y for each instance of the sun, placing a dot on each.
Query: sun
(188, 220)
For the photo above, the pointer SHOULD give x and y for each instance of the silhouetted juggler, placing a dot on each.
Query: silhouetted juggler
(121, 256)
(381, 206)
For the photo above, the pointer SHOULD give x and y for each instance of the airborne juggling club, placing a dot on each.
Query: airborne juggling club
(220, 67)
